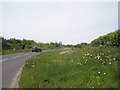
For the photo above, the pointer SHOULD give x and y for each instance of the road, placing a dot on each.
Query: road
(11, 65)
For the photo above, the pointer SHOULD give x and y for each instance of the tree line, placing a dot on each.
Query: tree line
(17, 44)
(110, 39)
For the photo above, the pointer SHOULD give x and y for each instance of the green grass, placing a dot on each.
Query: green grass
(4, 52)
(48, 48)
(72, 68)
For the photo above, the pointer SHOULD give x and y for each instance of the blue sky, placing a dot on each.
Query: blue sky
(69, 22)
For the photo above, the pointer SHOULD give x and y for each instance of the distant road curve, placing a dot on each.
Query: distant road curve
(11, 64)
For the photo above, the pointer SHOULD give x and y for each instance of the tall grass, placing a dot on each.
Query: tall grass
(72, 68)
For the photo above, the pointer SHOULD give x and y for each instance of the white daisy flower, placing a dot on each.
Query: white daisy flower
(98, 72)
(110, 63)
(98, 57)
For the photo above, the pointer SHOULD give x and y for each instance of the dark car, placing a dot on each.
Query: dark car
(36, 49)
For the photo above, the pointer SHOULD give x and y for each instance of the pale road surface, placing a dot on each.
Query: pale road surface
(11, 65)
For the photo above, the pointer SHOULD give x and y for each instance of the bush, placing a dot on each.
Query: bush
(111, 39)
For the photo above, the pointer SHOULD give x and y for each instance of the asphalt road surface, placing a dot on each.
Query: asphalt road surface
(12, 63)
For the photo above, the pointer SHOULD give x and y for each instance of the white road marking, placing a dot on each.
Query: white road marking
(7, 58)
(4, 59)
(15, 56)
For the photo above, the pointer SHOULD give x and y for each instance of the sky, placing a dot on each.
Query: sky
(68, 22)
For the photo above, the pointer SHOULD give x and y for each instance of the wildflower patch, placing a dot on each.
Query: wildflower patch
(72, 68)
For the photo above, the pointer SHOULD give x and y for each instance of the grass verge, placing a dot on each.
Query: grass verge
(72, 68)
